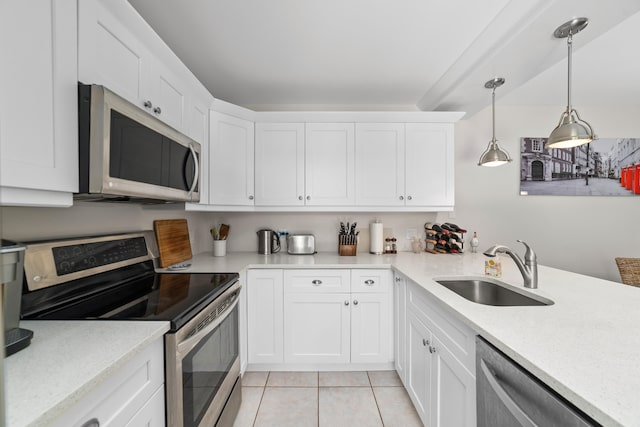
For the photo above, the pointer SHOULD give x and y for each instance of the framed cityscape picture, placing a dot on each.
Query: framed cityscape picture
(604, 167)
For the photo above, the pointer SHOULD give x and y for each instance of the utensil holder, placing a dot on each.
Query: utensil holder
(347, 250)
(219, 247)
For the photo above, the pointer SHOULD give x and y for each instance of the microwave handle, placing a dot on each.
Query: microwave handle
(196, 174)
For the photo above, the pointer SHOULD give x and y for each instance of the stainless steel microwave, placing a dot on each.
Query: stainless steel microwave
(128, 155)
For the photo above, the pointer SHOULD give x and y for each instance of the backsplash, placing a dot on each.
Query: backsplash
(87, 218)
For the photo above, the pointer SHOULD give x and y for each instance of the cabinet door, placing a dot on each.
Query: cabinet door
(329, 164)
(279, 164)
(380, 157)
(317, 328)
(400, 326)
(453, 388)
(418, 374)
(231, 155)
(39, 102)
(429, 164)
(264, 316)
(169, 96)
(109, 54)
(152, 413)
(371, 328)
(197, 128)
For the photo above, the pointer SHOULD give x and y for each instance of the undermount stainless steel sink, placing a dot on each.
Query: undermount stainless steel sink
(492, 292)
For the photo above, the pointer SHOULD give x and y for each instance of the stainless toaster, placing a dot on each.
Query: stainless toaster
(301, 244)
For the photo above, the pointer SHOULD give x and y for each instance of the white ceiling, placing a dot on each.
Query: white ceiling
(400, 54)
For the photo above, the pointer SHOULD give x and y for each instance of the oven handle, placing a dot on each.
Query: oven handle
(187, 345)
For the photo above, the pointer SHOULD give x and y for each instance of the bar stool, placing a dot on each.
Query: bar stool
(629, 270)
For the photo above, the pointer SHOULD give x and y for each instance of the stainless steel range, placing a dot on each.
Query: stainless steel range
(113, 277)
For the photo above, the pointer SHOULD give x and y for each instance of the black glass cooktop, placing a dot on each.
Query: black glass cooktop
(133, 293)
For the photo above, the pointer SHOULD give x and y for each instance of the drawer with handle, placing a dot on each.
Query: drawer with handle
(317, 280)
(366, 280)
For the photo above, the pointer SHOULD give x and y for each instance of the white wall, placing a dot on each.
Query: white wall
(580, 234)
(86, 218)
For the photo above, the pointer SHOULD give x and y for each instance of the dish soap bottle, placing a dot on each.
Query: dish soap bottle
(474, 243)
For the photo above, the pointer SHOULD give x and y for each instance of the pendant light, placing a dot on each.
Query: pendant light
(571, 130)
(494, 155)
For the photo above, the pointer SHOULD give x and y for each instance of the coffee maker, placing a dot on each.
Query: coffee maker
(11, 276)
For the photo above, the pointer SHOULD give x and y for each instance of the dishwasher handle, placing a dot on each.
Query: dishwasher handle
(504, 396)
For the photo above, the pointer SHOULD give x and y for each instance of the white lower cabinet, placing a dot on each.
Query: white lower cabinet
(265, 316)
(440, 366)
(399, 325)
(319, 316)
(132, 396)
(337, 316)
(317, 328)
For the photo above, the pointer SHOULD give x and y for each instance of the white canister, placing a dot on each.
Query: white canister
(376, 238)
(219, 247)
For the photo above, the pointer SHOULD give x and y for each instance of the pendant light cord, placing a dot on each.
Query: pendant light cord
(493, 113)
(570, 50)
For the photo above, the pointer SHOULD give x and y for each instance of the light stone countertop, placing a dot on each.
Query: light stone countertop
(65, 361)
(586, 346)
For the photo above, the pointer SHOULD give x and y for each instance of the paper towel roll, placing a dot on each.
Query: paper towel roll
(376, 238)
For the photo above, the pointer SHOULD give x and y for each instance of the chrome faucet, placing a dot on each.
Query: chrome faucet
(528, 268)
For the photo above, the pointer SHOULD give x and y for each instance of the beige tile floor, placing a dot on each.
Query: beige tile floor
(325, 399)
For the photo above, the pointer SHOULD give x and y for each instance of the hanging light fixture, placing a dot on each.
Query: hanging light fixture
(494, 155)
(571, 130)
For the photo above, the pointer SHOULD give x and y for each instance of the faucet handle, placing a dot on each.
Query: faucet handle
(529, 255)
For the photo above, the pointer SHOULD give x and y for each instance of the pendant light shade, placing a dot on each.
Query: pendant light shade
(494, 155)
(571, 131)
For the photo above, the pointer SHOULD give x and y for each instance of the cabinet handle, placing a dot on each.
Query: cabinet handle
(93, 422)
(250, 197)
(432, 350)
(346, 302)
(147, 104)
(397, 279)
(157, 110)
(316, 282)
(408, 197)
(425, 342)
(355, 302)
(308, 197)
(369, 282)
(401, 197)
(300, 197)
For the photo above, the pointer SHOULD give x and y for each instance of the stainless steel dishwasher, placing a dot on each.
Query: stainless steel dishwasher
(509, 396)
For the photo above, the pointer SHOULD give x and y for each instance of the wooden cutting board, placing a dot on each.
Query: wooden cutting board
(172, 236)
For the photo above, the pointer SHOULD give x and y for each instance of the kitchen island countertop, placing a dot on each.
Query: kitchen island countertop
(585, 346)
(65, 361)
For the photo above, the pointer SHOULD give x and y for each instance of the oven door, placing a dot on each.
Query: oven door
(203, 365)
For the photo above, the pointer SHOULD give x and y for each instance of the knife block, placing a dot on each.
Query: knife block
(347, 250)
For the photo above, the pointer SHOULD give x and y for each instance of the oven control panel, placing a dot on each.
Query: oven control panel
(51, 263)
(84, 256)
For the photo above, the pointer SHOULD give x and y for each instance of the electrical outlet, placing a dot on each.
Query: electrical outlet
(411, 233)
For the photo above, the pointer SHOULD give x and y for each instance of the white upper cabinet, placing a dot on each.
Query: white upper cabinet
(39, 104)
(119, 50)
(109, 53)
(405, 164)
(279, 179)
(380, 164)
(300, 164)
(429, 163)
(329, 164)
(231, 161)
(197, 128)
